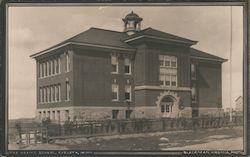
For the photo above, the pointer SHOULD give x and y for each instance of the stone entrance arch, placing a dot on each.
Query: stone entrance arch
(167, 104)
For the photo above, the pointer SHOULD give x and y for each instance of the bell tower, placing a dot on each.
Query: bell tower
(132, 23)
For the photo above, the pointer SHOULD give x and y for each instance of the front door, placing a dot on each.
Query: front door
(166, 106)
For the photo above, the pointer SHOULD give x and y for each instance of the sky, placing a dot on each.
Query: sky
(35, 28)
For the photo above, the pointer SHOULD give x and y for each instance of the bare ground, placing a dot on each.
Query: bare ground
(203, 139)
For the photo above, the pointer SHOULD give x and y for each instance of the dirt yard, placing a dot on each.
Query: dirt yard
(204, 139)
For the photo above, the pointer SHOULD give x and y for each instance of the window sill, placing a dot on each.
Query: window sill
(49, 76)
(114, 72)
(194, 101)
(168, 67)
(128, 101)
(50, 102)
(115, 100)
(127, 73)
(168, 86)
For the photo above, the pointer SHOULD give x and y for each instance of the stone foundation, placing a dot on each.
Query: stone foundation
(154, 112)
(210, 112)
(101, 113)
(81, 113)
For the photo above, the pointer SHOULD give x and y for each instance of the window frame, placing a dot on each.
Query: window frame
(116, 64)
(67, 91)
(164, 68)
(129, 64)
(67, 62)
(113, 91)
(130, 93)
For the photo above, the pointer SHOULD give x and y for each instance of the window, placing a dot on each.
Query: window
(173, 80)
(168, 61)
(115, 114)
(51, 68)
(44, 95)
(56, 66)
(114, 63)
(167, 80)
(59, 65)
(53, 115)
(193, 93)
(44, 114)
(168, 71)
(40, 70)
(161, 63)
(195, 112)
(56, 93)
(44, 69)
(127, 66)
(173, 64)
(49, 95)
(40, 95)
(67, 62)
(162, 79)
(67, 91)
(48, 68)
(166, 107)
(47, 90)
(115, 92)
(48, 114)
(58, 116)
(193, 71)
(66, 114)
(128, 93)
(128, 114)
(162, 108)
(39, 115)
(59, 92)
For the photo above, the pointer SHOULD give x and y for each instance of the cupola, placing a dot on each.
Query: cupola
(132, 23)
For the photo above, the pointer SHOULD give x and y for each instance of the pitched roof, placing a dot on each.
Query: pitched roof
(94, 37)
(150, 32)
(114, 39)
(102, 37)
(203, 55)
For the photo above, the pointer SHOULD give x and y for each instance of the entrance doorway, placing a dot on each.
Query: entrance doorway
(166, 106)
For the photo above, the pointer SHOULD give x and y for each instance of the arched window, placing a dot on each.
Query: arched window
(167, 104)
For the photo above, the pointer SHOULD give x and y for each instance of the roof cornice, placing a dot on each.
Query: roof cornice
(208, 59)
(81, 44)
(159, 38)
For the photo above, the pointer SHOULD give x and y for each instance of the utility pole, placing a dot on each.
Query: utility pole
(231, 42)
